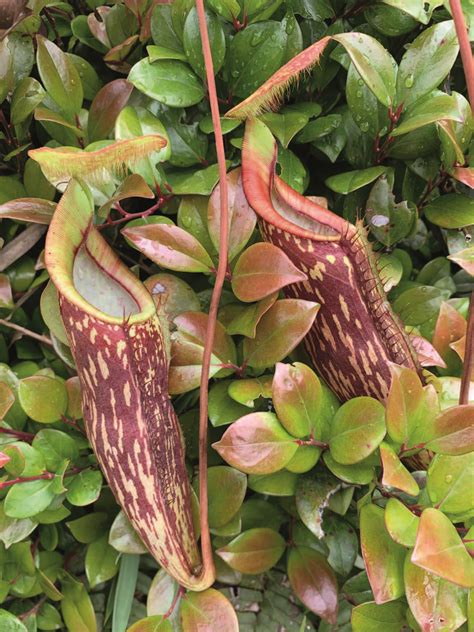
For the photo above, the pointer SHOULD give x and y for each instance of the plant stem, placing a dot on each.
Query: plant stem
(216, 293)
(468, 356)
(465, 47)
(19, 434)
(45, 476)
(26, 332)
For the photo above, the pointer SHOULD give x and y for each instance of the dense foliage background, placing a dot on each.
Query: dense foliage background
(82, 74)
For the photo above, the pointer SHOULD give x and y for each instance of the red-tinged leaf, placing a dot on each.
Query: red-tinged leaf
(132, 186)
(382, 556)
(435, 603)
(105, 108)
(207, 610)
(261, 270)
(170, 247)
(155, 623)
(247, 391)
(395, 474)
(243, 319)
(6, 296)
(453, 431)
(171, 294)
(254, 551)
(4, 459)
(410, 406)
(459, 346)
(314, 582)
(427, 354)
(242, 219)
(465, 259)
(357, 430)
(34, 210)
(193, 325)
(450, 326)
(7, 398)
(464, 175)
(440, 551)
(280, 330)
(401, 523)
(256, 444)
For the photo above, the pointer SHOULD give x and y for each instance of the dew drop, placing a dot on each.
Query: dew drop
(359, 93)
(235, 73)
(409, 81)
(360, 82)
(448, 478)
(364, 126)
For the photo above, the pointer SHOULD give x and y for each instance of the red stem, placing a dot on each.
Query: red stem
(19, 434)
(465, 47)
(468, 356)
(45, 476)
(216, 293)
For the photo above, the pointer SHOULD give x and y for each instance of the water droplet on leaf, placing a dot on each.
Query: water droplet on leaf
(409, 81)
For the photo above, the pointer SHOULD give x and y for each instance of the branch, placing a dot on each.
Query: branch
(468, 356)
(465, 47)
(26, 332)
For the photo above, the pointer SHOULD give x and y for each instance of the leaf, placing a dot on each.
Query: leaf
(453, 431)
(192, 41)
(223, 409)
(191, 182)
(10, 623)
(395, 473)
(382, 556)
(59, 76)
(464, 259)
(254, 551)
(388, 221)
(372, 617)
(156, 623)
(353, 180)
(125, 592)
(313, 582)
(427, 62)
(261, 270)
(56, 447)
(357, 430)
(43, 398)
(242, 218)
(401, 523)
(84, 488)
(440, 551)
(359, 473)
(24, 500)
(343, 544)
(312, 497)
(243, 319)
(451, 211)
(168, 81)
(170, 246)
(374, 63)
(226, 491)
(101, 561)
(7, 399)
(200, 610)
(88, 528)
(27, 95)
(105, 108)
(124, 538)
(161, 52)
(76, 606)
(256, 444)
(34, 210)
(279, 331)
(286, 125)
(429, 110)
(434, 602)
(447, 481)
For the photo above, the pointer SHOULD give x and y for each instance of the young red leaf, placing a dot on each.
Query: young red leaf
(105, 108)
(435, 603)
(170, 247)
(453, 431)
(357, 430)
(427, 354)
(382, 556)
(464, 259)
(242, 219)
(206, 611)
(256, 444)
(440, 551)
(314, 582)
(279, 332)
(254, 551)
(261, 270)
(395, 474)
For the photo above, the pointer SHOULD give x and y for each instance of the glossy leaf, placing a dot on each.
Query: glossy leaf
(243, 319)
(359, 473)
(192, 41)
(76, 606)
(105, 108)
(226, 490)
(261, 270)
(453, 431)
(254, 551)
(440, 551)
(426, 111)
(448, 478)
(155, 623)
(451, 211)
(168, 81)
(204, 609)
(401, 523)
(312, 497)
(371, 617)
(395, 474)
(124, 538)
(101, 561)
(256, 444)
(279, 331)
(282, 483)
(27, 499)
(43, 398)
(353, 180)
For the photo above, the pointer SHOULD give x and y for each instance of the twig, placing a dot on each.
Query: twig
(465, 47)
(468, 356)
(19, 434)
(216, 293)
(45, 476)
(26, 332)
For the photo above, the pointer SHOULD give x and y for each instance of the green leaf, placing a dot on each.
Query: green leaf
(24, 500)
(451, 211)
(43, 398)
(161, 52)
(192, 41)
(101, 561)
(223, 409)
(191, 182)
(359, 473)
(13, 530)
(59, 76)
(343, 544)
(202, 609)
(254, 551)
(382, 556)
(372, 617)
(374, 63)
(156, 623)
(429, 110)
(89, 527)
(10, 623)
(388, 221)
(84, 488)
(55, 446)
(226, 490)
(168, 81)
(427, 62)
(256, 444)
(124, 538)
(357, 430)
(401, 523)
(312, 497)
(447, 481)
(281, 483)
(76, 606)
(27, 95)
(281, 328)
(313, 582)
(440, 551)
(433, 601)
(353, 180)
(286, 125)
